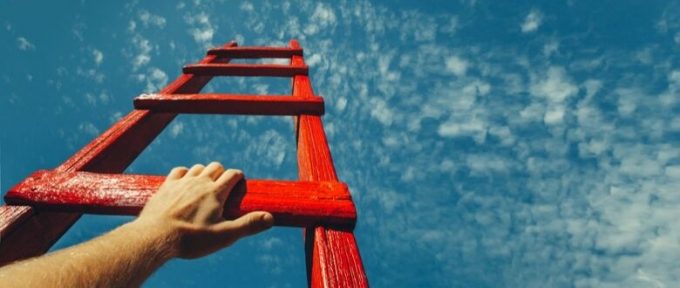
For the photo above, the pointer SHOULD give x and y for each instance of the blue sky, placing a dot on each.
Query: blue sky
(486, 143)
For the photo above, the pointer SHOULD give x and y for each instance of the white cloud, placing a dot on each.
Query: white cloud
(272, 146)
(88, 128)
(132, 26)
(324, 15)
(98, 56)
(202, 29)
(381, 111)
(341, 104)
(532, 21)
(556, 86)
(554, 115)
(487, 163)
(143, 56)
(673, 172)
(456, 65)
(312, 60)
(176, 128)
(455, 126)
(155, 79)
(24, 44)
(91, 74)
(149, 19)
(247, 6)
(627, 100)
(551, 47)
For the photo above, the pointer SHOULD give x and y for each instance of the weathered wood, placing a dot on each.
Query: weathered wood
(37, 231)
(293, 203)
(265, 70)
(28, 234)
(333, 258)
(230, 104)
(255, 52)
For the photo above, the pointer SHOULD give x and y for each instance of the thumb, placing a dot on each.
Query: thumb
(246, 225)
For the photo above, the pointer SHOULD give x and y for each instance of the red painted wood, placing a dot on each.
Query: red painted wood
(332, 254)
(11, 216)
(230, 104)
(333, 258)
(271, 70)
(293, 203)
(255, 52)
(110, 152)
(34, 235)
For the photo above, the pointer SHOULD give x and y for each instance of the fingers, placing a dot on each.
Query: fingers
(195, 170)
(213, 170)
(246, 225)
(177, 172)
(227, 181)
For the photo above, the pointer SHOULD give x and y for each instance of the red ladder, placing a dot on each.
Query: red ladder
(43, 206)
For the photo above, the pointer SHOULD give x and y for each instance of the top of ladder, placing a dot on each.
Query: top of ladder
(255, 52)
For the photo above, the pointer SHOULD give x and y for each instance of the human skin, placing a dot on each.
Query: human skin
(182, 220)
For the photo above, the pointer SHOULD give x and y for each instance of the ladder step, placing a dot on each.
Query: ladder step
(255, 52)
(231, 104)
(293, 203)
(271, 70)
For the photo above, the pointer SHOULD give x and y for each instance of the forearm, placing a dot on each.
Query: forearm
(123, 257)
(183, 219)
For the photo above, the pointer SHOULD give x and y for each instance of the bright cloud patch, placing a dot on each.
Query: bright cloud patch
(531, 22)
(24, 44)
(456, 65)
(98, 56)
(202, 28)
(150, 19)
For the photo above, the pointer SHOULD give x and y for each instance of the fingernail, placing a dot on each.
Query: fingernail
(267, 220)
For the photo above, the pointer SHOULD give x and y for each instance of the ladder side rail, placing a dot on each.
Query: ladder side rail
(332, 255)
(26, 232)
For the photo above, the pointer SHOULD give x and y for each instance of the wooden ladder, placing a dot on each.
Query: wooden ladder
(43, 206)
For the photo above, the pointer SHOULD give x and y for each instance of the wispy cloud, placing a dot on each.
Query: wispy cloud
(24, 44)
(202, 29)
(150, 19)
(142, 52)
(532, 21)
(456, 65)
(98, 56)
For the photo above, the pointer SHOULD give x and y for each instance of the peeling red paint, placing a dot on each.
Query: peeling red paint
(270, 70)
(333, 258)
(230, 104)
(293, 203)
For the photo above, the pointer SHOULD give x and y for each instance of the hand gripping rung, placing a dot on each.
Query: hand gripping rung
(230, 104)
(268, 70)
(256, 52)
(292, 203)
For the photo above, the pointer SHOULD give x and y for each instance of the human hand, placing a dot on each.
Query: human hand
(187, 211)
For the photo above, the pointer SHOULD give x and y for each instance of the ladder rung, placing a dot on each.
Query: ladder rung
(231, 104)
(273, 70)
(255, 52)
(293, 203)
